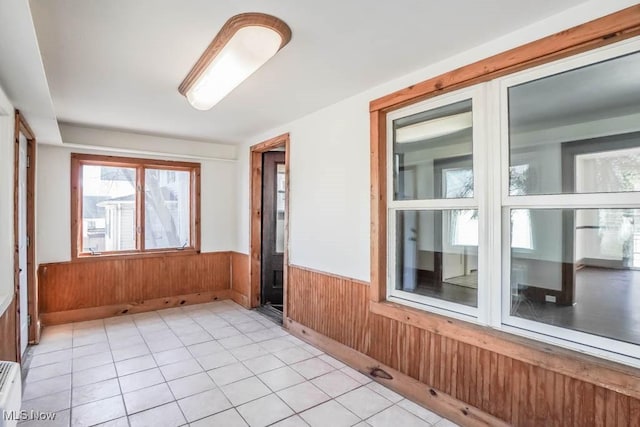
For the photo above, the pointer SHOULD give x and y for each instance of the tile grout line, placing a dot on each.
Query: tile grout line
(182, 322)
(146, 344)
(71, 377)
(117, 378)
(184, 416)
(233, 407)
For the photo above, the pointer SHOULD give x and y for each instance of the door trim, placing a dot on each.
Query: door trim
(22, 127)
(255, 202)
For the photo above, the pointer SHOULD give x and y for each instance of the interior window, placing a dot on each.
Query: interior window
(554, 171)
(573, 133)
(436, 249)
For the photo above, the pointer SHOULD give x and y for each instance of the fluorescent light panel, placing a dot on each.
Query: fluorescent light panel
(434, 128)
(244, 44)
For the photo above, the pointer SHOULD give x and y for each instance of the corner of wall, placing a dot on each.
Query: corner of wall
(7, 127)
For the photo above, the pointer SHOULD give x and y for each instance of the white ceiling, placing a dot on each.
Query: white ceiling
(118, 63)
(22, 74)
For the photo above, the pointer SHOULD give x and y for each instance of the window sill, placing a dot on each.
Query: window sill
(134, 255)
(601, 372)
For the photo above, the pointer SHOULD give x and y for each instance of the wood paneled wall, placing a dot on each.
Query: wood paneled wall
(331, 305)
(240, 280)
(75, 290)
(8, 344)
(522, 394)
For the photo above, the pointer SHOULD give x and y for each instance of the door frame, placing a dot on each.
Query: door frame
(255, 201)
(22, 127)
(270, 159)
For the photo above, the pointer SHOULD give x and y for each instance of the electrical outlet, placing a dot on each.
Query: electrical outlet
(549, 298)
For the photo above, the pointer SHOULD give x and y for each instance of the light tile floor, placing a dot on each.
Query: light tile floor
(213, 364)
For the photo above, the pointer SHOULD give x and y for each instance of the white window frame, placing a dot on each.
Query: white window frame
(474, 314)
(493, 202)
(581, 341)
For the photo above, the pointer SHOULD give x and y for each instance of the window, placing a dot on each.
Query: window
(515, 203)
(433, 208)
(129, 206)
(574, 175)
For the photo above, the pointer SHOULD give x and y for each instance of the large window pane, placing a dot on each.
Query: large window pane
(577, 131)
(583, 272)
(108, 209)
(437, 254)
(167, 209)
(432, 154)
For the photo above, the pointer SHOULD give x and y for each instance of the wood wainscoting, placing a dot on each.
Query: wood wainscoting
(240, 280)
(330, 305)
(483, 372)
(93, 289)
(8, 341)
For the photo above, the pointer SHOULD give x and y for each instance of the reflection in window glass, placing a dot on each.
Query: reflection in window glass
(463, 227)
(608, 171)
(521, 236)
(521, 233)
(432, 154)
(280, 207)
(167, 209)
(437, 254)
(458, 183)
(108, 209)
(584, 274)
(577, 131)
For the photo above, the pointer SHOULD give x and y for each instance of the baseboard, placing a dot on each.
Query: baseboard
(241, 299)
(432, 399)
(537, 294)
(103, 312)
(38, 331)
(612, 264)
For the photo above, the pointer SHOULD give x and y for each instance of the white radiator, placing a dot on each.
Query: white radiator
(10, 394)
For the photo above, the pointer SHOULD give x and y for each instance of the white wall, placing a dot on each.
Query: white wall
(218, 201)
(7, 121)
(329, 171)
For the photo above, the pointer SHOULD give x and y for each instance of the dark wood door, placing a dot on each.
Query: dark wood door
(273, 211)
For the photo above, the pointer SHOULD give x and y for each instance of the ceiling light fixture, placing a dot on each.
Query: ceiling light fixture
(245, 42)
(434, 128)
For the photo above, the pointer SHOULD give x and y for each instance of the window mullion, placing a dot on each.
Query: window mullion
(140, 203)
(577, 200)
(496, 160)
(435, 204)
(482, 180)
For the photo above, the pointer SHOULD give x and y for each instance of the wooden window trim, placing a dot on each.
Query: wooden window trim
(598, 33)
(140, 164)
